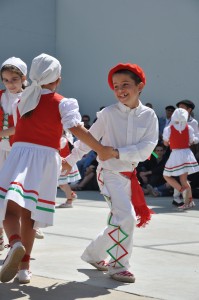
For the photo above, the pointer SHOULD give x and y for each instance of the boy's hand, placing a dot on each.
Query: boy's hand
(66, 166)
(106, 153)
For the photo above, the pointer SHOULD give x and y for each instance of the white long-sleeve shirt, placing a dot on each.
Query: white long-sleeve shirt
(134, 132)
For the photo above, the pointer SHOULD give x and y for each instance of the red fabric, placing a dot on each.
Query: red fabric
(10, 120)
(142, 211)
(14, 237)
(26, 258)
(65, 151)
(179, 140)
(43, 126)
(131, 67)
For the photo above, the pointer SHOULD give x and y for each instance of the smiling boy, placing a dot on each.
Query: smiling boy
(132, 130)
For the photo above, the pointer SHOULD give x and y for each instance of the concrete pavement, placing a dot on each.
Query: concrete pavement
(165, 258)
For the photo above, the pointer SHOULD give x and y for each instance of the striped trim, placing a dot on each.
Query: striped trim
(42, 204)
(180, 167)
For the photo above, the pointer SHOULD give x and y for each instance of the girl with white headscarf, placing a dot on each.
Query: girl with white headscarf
(28, 180)
(179, 136)
(13, 75)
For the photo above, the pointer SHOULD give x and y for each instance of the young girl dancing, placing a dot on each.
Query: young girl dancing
(28, 179)
(179, 136)
(13, 75)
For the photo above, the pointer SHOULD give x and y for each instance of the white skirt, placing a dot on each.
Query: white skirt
(181, 161)
(29, 178)
(73, 176)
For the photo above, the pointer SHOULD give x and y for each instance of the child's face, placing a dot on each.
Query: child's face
(12, 81)
(126, 90)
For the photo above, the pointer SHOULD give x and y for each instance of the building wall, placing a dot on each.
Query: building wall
(90, 36)
(27, 28)
(161, 36)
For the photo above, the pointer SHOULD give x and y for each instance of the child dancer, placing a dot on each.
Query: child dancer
(179, 136)
(13, 75)
(28, 179)
(132, 129)
(189, 106)
(73, 176)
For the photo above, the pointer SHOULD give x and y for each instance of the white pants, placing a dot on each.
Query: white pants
(116, 240)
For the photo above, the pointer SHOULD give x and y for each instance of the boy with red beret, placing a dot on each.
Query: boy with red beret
(132, 129)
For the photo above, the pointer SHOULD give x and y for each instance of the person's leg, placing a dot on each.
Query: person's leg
(1, 239)
(173, 182)
(116, 239)
(17, 250)
(27, 236)
(12, 221)
(187, 193)
(69, 197)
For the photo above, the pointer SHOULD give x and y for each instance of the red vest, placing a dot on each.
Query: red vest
(179, 140)
(43, 126)
(10, 120)
(65, 151)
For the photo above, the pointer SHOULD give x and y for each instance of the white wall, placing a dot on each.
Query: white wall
(27, 28)
(162, 36)
(90, 36)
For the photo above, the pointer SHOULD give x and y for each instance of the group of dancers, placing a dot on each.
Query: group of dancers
(34, 118)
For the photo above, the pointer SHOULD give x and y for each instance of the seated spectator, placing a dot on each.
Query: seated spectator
(149, 105)
(89, 182)
(85, 162)
(164, 121)
(86, 120)
(150, 174)
(194, 182)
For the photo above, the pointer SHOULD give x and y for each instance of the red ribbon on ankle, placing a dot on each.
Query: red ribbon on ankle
(14, 237)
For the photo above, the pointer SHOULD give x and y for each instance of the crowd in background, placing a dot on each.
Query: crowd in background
(149, 172)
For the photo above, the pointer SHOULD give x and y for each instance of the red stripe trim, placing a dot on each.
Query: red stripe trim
(191, 163)
(73, 172)
(1, 189)
(46, 201)
(99, 179)
(27, 191)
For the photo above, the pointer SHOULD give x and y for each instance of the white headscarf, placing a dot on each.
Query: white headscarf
(179, 115)
(17, 62)
(44, 69)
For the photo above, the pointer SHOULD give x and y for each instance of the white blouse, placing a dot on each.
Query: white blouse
(193, 139)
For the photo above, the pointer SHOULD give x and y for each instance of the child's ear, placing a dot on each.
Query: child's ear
(23, 78)
(140, 86)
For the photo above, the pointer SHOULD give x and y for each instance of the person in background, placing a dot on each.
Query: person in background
(189, 106)
(73, 176)
(149, 105)
(86, 120)
(150, 174)
(179, 136)
(164, 121)
(13, 75)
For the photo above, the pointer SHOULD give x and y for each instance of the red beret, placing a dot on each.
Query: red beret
(131, 67)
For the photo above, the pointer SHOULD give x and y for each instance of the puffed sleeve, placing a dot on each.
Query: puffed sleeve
(166, 133)
(69, 111)
(193, 139)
